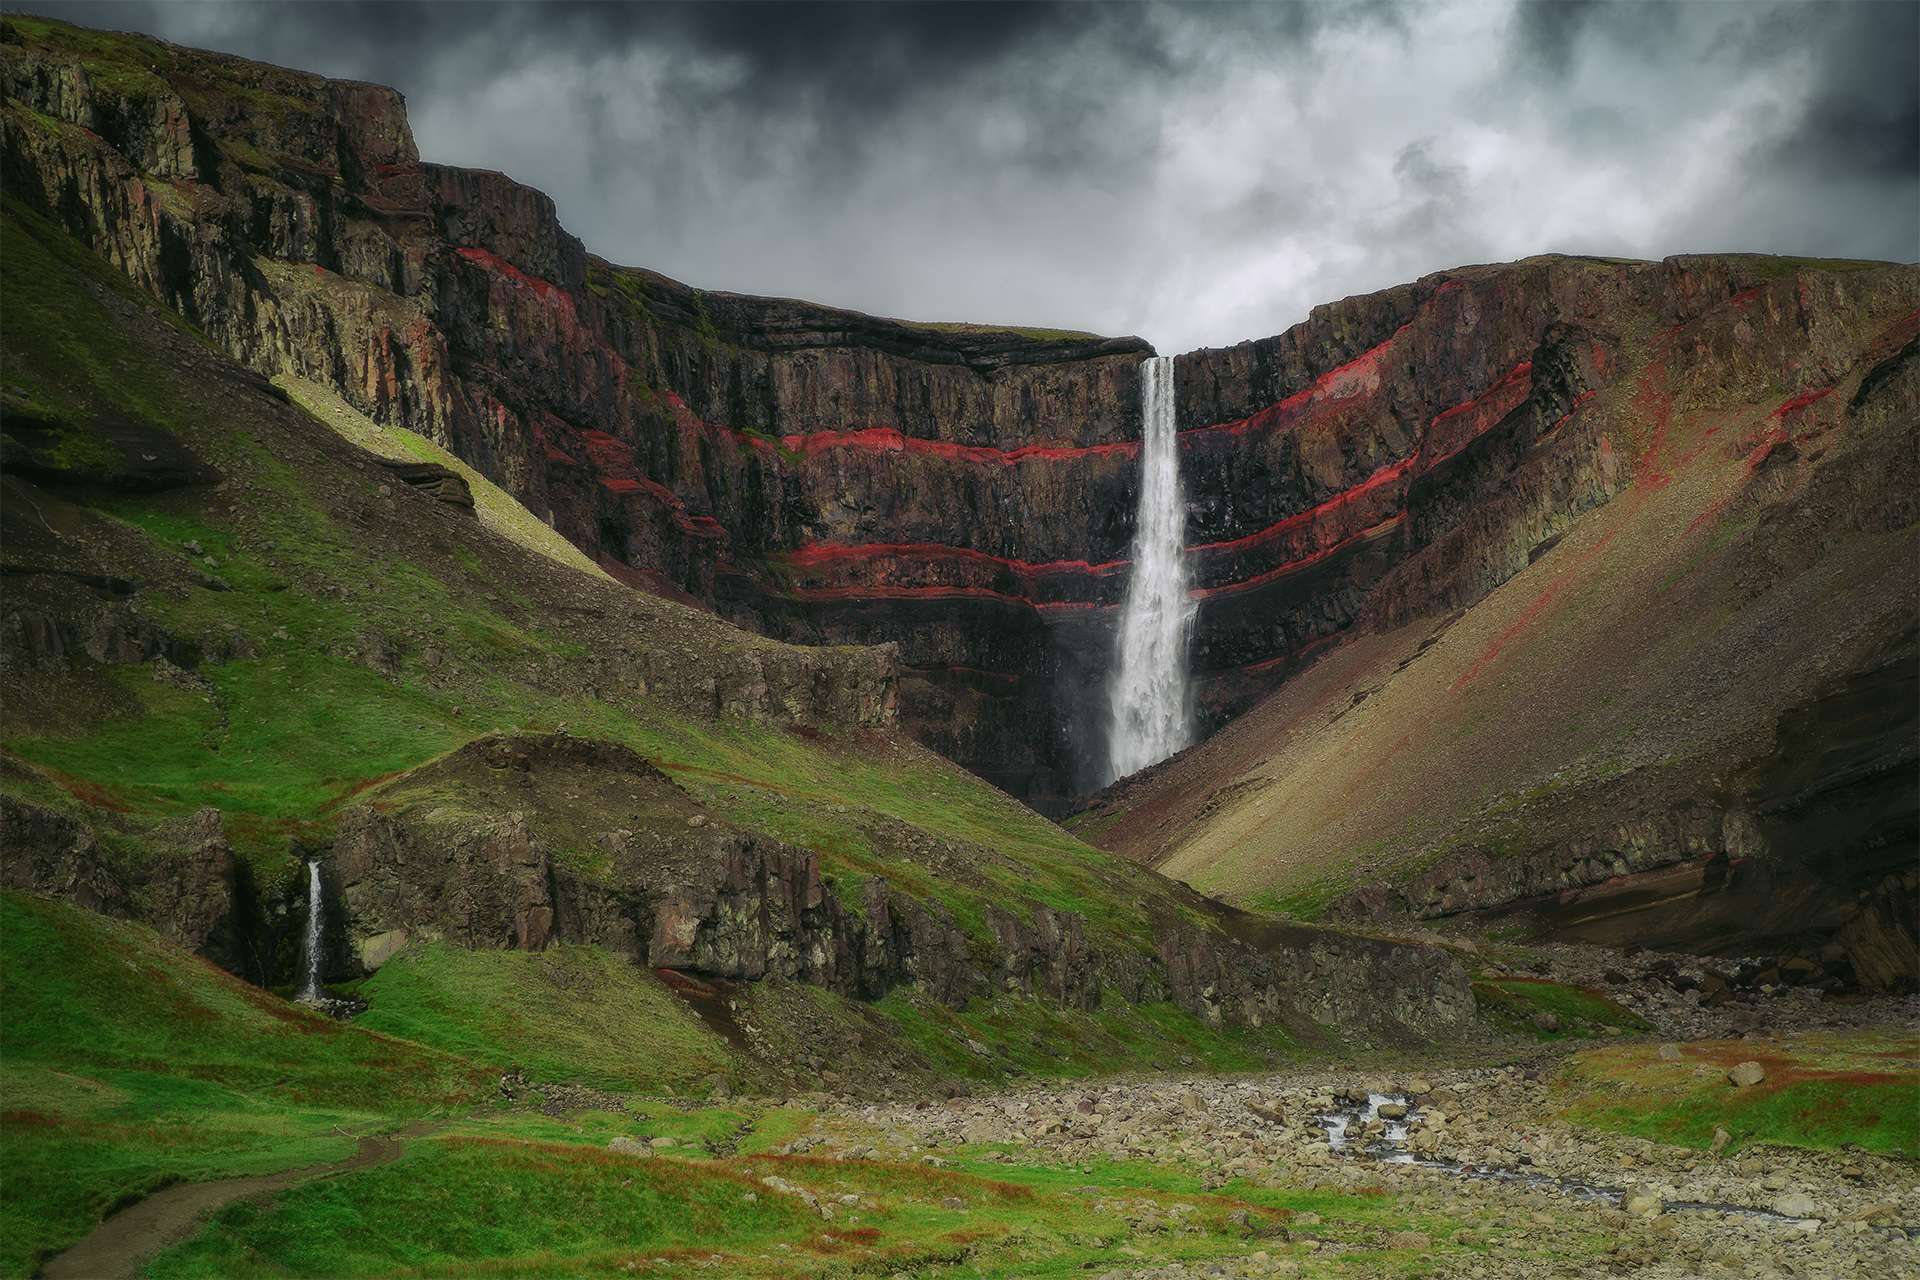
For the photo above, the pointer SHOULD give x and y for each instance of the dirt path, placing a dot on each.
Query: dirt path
(121, 1245)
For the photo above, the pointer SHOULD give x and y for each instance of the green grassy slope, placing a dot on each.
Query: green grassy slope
(127, 1064)
(574, 1014)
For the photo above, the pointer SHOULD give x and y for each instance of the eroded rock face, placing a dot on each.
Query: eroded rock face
(830, 477)
(657, 877)
(187, 894)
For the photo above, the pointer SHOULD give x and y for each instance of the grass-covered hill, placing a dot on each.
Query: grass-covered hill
(129, 1066)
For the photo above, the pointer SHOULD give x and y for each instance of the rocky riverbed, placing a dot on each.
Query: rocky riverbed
(1833, 1214)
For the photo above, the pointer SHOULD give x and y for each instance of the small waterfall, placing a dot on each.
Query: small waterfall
(310, 989)
(1151, 705)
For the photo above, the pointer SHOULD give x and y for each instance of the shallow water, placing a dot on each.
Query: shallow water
(1390, 1147)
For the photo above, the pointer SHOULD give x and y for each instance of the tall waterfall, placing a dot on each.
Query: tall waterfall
(1152, 713)
(310, 990)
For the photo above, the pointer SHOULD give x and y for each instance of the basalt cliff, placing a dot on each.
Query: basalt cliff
(963, 492)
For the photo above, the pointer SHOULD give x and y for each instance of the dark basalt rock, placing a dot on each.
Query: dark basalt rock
(676, 888)
(189, 895)
(441, 483)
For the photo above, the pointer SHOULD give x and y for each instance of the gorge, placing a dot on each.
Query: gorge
(514, 763)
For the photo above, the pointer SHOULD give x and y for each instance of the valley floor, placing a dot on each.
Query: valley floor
(1168, 1177)
(1605, 1139)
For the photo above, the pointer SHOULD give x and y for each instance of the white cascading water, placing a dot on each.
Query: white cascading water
(1152, 711)
(311, 991)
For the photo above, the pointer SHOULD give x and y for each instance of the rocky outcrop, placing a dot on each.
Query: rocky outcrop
(1277, 972)
(659, 878)
(1880, 937)
(185, 889)
(660, 881)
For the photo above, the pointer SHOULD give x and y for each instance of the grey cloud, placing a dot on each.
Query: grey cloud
(1196, 173)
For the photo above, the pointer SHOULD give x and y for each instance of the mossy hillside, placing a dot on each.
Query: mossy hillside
(572, 1014)
(128, 1063)
(1824, 1090)
(358, 646)
(1038, 1039)
(498, 510)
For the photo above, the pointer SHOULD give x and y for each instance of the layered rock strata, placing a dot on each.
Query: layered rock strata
(826, 476)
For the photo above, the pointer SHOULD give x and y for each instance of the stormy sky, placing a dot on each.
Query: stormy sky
(1196, 174)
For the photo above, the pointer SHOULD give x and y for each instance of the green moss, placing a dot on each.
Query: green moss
(473, 1201)
(703, 325)
(1036, 1038)
(572, 1014)
(1309, 903)
(1824, 1091)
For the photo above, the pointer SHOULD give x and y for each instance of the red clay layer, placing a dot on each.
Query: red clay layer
(1303, 562)
(816, 554)
(889, 440)
(1477, 415)
(493, 262)
(947, 593)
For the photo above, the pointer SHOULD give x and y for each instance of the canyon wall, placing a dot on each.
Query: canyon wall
(820, 475)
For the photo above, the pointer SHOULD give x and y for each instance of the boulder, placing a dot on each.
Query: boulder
(1746, 1075)
(1645, 1204)
(1796, 1204)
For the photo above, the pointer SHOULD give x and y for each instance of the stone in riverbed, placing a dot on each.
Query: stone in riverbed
(1644, 1204)
(1796, 1204)
(1392, 1111)
(1746, 1075)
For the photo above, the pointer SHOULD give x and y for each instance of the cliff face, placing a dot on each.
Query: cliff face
(825, 476)
(1685, 720)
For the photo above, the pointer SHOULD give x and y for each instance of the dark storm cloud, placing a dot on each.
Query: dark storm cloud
(1194, 173)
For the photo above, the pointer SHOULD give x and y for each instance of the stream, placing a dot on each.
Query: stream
(1385, 1139)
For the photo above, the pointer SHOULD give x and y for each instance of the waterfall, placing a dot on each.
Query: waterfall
(310, 990)
(1152, 717)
